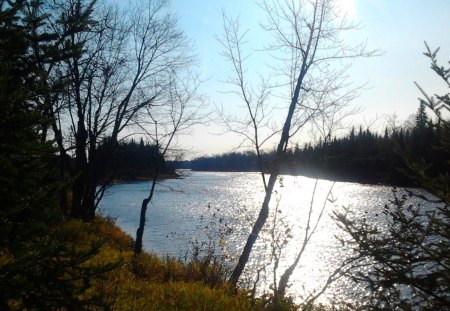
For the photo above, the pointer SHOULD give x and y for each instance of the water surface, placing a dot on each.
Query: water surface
(206, 207)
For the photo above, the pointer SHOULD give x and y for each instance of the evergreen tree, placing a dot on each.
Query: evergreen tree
(38, 269)
(25, 193)
(421, 116)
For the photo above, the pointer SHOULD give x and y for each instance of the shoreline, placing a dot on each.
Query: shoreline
(115, 181)
(367, 181)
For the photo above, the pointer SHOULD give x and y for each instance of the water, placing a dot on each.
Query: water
(221, 207)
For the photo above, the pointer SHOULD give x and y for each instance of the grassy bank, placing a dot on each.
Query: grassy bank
(91, 266)
(149, 283)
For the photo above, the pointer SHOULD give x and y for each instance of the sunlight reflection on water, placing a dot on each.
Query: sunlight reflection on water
(181, 209)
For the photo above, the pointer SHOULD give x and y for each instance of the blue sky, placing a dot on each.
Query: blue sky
(397, 27)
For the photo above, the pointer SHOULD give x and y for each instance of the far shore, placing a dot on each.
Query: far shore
(351, 179)
(140, 178)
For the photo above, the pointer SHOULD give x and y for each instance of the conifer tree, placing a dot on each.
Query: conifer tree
(38, 269)
(421, 116)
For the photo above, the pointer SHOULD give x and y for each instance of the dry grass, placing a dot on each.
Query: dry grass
(147, 282)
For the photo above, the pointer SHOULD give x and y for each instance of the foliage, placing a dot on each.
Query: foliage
(50, 274)
(410, 256)
(130, 282)
(39, 268)
(373, 158)
(227, 162)
(210, 253)
(408, 253)
(26, 191)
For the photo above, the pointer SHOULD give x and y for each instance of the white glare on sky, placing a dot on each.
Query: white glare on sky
(398, 28)
(348, 7)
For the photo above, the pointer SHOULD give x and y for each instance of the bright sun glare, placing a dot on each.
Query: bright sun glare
(347, 6)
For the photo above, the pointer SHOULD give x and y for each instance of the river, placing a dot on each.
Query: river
(205, 207)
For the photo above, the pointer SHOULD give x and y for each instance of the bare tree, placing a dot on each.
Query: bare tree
(310, 77)
(393, 124)
(122, 64)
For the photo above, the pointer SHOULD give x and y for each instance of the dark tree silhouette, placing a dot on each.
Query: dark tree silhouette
(421, 116)
(38, 270)
(119, 66)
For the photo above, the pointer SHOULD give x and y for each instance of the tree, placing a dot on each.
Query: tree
(24, 160)
(421, 116)
(38, 269)
(308, 44)
(122, 63)
(130, 161)
(408, 251)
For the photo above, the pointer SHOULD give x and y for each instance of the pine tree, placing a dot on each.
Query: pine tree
(421, 116)
(38, 271)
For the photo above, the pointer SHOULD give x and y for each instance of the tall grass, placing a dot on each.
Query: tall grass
(146, 282)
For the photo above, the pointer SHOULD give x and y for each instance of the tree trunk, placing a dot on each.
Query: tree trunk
(257, 227)
(88, 206)
(284, 279)
(264, 212)
(81, 172)
(140, 230)
(77, 196)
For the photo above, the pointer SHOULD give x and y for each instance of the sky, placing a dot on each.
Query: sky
(398, 28)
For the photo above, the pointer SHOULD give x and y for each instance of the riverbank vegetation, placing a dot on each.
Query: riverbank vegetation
(94, 267)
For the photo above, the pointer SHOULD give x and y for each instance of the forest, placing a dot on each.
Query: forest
(92, 94)
(131, 161)
(360, 156)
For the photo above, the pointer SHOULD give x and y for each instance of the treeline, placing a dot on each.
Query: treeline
(227, 162)
(361, 156)
(368, 157)
(129, 160)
